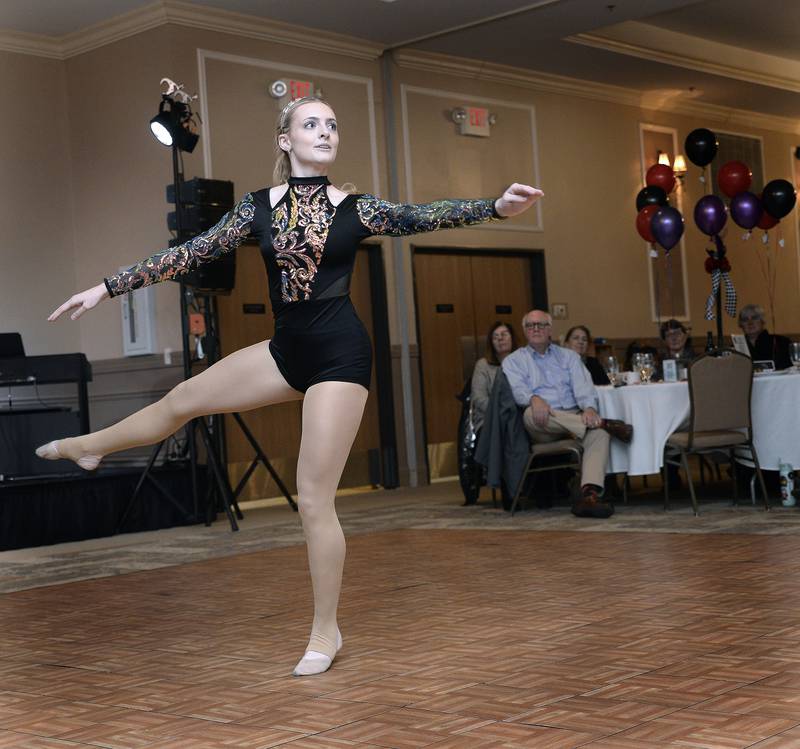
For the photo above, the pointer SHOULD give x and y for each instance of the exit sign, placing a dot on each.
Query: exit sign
(476, 122)
(299, 89)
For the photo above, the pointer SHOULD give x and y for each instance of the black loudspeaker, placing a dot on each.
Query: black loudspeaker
(23, 430)
(203, 203)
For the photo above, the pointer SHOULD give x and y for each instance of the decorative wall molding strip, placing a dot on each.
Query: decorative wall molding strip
(649, 42)
(185, 14)
(556, 84)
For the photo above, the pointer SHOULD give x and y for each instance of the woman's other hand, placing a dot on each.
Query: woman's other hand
(516, 199)
(82, 302)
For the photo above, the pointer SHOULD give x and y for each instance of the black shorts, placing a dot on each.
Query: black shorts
(321, 341)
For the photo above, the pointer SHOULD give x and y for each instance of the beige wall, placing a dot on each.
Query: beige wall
(83, 136)
(37, 254)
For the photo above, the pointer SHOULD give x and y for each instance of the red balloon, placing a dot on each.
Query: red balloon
(660, 175)
(734, 177)
(766, 221)
(643, 222)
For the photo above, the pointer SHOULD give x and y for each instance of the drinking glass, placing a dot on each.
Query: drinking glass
(612, 370)
(646, 367)
(794, 352)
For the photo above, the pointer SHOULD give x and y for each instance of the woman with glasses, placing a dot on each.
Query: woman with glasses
(763, 345)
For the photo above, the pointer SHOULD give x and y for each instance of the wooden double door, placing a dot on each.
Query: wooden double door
(459, 296)
(245, 318)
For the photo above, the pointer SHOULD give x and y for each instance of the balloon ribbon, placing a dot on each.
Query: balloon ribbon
(719, 267)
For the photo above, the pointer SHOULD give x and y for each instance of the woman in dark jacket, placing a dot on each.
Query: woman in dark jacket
(579, 339)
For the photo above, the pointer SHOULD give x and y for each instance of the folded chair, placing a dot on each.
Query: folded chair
(719, 390)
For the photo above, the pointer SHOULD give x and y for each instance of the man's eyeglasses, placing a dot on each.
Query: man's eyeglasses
(537, 325)
(748, 319)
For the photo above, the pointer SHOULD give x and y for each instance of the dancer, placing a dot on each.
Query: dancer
(308, 232)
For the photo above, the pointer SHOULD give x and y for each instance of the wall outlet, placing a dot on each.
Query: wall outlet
(559, 311)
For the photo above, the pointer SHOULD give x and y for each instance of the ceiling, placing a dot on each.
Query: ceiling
(729, 53)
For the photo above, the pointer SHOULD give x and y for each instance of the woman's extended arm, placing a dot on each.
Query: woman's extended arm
(227, 234)
(382, 217)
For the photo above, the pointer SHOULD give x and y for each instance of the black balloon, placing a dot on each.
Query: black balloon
(651, 195)
(778, 198)
(701, 146)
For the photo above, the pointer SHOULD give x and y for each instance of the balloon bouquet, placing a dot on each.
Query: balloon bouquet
(658, 222)
(746, 209)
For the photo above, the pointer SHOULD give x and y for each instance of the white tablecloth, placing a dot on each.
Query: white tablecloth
(658, 409)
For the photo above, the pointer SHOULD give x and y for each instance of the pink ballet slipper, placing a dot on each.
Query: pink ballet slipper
(314, 662)
(50, 452)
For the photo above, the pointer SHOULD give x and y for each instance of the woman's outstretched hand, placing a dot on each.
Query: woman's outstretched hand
(516, 199)
(81, 302)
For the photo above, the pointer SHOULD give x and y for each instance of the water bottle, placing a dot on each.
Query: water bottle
(787, 484)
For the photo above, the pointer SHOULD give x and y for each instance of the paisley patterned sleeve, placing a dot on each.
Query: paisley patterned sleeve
(382, 217)
(229, 233)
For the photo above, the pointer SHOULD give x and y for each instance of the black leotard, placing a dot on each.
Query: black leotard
(309, 247)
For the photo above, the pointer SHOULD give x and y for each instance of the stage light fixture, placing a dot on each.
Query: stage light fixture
(171, 125)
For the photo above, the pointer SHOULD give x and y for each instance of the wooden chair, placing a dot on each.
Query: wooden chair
(720, 389)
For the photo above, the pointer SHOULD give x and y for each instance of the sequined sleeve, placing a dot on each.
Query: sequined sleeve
(229, 233)
(382, 217)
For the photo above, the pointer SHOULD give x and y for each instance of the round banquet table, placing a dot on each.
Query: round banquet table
(658, 409)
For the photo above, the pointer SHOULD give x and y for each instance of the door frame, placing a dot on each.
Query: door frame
(538, 295)
(382, 350)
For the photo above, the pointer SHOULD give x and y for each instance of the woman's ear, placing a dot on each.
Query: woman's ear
(284, 144)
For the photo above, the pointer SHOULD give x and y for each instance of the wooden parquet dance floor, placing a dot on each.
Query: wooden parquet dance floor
(453, 639)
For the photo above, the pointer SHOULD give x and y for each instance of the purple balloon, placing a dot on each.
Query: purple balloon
(667, 226)
(710, 215)
(746, 210)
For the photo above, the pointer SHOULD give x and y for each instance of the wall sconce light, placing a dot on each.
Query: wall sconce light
(678, 168)
(458, 115)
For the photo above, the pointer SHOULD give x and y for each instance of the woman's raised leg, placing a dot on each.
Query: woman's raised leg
(243, 380)
(331, 416)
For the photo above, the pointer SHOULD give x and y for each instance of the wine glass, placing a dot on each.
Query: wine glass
(794, 352)
(612, 370)
(646, 367)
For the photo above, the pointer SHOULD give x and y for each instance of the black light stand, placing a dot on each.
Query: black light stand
(211, 428)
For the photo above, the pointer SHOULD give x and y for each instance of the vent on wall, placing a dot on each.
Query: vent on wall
(738, 148)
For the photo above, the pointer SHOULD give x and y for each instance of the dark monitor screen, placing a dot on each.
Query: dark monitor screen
(11, 345)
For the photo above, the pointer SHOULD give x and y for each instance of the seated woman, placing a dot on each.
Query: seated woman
(579, 339)
(676, 341)
(500, 342)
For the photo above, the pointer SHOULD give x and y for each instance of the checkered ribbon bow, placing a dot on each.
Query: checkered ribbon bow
(719, 267)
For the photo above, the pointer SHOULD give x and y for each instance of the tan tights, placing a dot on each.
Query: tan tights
(249, 379)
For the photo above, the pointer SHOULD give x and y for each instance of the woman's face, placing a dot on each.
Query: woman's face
(312, 140)
(676, 339)
(578, 341)
(501, 341)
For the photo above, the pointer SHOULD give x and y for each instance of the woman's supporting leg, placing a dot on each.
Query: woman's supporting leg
(243, 380)
(331, 416)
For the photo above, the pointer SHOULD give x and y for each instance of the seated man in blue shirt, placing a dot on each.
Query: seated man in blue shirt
(560, 401)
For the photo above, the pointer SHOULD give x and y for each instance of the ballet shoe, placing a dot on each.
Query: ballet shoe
(50, 452)
(314, 662)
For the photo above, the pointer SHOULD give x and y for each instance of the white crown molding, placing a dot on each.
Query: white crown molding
(556, 84)
(37, 45)
(190, 15)
(649, 42)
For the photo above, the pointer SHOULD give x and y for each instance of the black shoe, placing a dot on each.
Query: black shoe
(590, 504)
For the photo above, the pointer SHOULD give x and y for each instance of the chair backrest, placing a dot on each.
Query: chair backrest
(720, 389)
